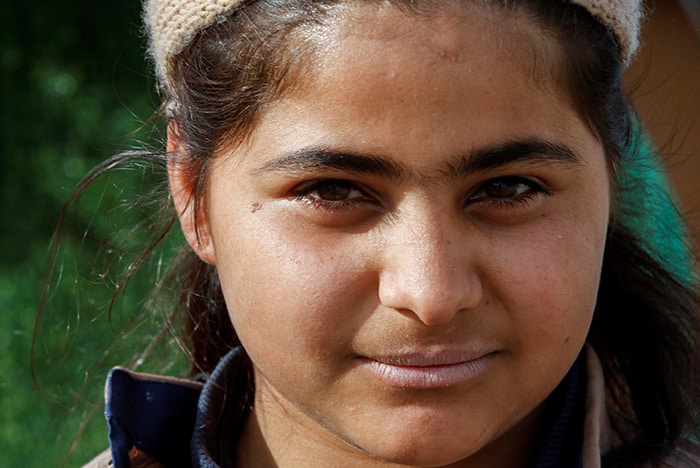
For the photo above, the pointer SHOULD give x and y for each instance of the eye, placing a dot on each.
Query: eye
(506, 191)
(332, 194)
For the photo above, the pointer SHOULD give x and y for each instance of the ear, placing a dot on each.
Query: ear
(182, 180)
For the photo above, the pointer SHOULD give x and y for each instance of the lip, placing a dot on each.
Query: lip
(428, 370)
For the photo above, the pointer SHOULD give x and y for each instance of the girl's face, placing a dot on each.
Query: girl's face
(410, 244)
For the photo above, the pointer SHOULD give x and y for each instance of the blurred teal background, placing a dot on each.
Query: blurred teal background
(74, 89)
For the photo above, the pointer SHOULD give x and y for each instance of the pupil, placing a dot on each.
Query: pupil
(334, 191)
(502, 189)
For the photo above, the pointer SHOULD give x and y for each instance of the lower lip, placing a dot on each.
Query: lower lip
(428, 377)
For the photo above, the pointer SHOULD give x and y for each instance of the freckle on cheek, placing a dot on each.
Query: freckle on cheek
(256, 206)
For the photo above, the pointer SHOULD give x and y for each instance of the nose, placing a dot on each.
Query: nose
(428, 270)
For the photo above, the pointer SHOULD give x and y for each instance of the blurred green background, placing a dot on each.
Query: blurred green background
(74, 89)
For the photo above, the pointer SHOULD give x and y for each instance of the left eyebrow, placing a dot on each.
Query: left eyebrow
(530, 151)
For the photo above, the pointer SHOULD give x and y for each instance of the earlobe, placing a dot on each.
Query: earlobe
(182, 179)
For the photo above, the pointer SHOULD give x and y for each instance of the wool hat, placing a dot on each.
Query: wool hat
(173, 24)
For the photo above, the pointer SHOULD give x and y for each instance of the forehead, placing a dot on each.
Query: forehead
(481, 35)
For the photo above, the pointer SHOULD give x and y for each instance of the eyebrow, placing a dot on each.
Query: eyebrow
(529, 151)
(307, 159)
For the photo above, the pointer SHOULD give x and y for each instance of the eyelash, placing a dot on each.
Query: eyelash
(309, 193)
(523, 198)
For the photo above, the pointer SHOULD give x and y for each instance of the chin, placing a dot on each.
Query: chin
(416, 446)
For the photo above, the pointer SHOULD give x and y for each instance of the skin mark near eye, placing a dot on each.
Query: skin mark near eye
(255, 207)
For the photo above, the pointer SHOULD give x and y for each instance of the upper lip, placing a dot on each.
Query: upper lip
(429, 357)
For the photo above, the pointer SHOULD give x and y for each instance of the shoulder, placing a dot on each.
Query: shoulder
(137, 460)
(150, 418)
(604, 429)
(685, 455)
(103, 460)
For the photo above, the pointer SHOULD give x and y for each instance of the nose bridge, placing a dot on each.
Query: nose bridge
(428, 269)
(429, 248)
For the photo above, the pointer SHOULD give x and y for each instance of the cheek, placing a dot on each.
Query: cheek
(548, 279)
(289, 293)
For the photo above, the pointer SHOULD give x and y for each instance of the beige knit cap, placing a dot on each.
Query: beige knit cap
(172, 24)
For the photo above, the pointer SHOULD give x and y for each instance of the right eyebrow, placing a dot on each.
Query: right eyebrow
(307, 159)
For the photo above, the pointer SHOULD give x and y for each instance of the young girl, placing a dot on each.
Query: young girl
(412, 242)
